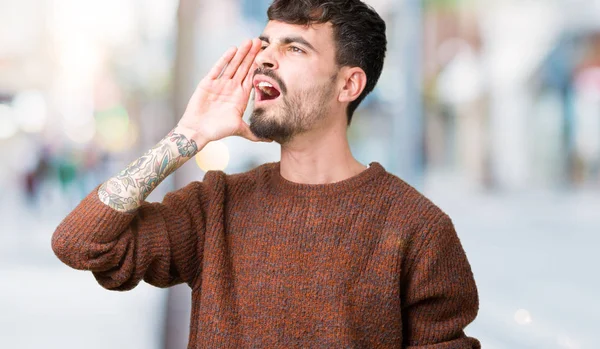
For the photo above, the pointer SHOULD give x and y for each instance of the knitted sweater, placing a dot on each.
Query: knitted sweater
(366, 262)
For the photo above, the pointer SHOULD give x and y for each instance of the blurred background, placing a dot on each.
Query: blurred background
(489, 107)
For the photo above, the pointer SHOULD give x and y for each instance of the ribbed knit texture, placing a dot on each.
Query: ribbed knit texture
(367, 262)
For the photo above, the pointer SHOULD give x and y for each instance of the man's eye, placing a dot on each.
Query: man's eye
(262, 48)
(296, 49)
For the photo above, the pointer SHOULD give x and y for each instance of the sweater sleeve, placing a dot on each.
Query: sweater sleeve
(159, 243)
(439, 293)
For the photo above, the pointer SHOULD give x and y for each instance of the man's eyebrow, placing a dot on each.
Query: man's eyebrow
(289, 40)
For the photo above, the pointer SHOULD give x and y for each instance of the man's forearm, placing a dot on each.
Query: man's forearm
(127, 190)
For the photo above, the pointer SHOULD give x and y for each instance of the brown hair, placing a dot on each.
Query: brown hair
(358, 31)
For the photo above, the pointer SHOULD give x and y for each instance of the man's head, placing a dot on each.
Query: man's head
(321, 58)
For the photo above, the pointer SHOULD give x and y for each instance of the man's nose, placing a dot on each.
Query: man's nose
(265, 59)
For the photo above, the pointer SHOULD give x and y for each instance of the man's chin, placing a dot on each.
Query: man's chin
(268, 126)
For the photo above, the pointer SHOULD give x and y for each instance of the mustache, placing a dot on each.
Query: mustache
(271, 74)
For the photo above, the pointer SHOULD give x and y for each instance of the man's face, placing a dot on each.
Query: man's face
(295, 84)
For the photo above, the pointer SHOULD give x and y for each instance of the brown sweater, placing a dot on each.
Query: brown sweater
(367, 262)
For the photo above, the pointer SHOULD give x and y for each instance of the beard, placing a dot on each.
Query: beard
(294, 114)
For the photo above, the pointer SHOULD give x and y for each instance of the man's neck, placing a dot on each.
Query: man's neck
(319, 157)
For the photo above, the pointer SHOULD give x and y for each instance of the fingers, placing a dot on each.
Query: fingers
(233, 66)
(248, 61)
(237, 63)
(247, 83)
(221, 63)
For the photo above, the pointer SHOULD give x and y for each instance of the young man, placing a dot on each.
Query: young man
(314, 251)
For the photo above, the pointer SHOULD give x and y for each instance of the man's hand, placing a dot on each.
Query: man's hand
(216, 108)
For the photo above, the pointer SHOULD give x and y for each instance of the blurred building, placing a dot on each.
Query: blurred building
(503, 93)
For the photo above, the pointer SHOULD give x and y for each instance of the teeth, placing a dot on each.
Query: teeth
(264, 84)
(266, 88)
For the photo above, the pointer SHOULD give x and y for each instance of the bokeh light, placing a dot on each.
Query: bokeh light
(8, 126)
(80, 133)
(523, 317)
(113, 126)
(213, 157)
(566, 342)
(31, 111)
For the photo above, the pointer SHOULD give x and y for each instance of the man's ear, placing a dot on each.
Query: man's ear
(355, 80)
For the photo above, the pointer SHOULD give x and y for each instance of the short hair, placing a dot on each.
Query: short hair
(358, 32)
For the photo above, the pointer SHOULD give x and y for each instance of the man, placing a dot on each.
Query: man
(315, 251)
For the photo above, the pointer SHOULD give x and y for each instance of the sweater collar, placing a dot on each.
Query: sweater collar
(281, 185)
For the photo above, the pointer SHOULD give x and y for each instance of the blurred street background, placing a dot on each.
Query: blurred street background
(489, 107)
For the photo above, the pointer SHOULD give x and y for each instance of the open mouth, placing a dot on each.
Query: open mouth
(266, 91)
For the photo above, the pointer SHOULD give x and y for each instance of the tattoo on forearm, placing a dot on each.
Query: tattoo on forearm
(126, 191)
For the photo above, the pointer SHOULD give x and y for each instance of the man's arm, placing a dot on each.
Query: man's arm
(126, 191)
(160, 243)
(123, 239)
(439, 293)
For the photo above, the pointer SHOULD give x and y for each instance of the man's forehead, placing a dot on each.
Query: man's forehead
(319, 35)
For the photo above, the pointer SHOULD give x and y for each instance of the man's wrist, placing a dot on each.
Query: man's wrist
(192, 136)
